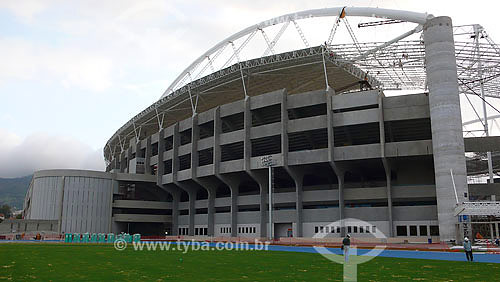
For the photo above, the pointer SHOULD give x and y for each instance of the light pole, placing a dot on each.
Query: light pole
(267, 161)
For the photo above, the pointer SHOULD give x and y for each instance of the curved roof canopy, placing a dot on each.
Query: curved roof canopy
(394, 64)
(407, 16)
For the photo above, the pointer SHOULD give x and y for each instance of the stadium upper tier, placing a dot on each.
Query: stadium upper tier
(230, 69)
(297, 71)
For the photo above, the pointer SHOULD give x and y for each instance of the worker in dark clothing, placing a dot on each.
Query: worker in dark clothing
(468, 249)
(346, 244)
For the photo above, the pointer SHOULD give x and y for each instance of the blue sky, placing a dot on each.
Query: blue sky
(72, 72)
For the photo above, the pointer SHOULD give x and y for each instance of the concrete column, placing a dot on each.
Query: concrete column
(234, 209)
(386, 164)
(261, 177)
(388, 176)
(247, 144)
(192, 190)
(217, 133)
(192, 211)
(340, 178)
(138, 153)
(446, 121)
(298, 179)
(233, 182)
(147, 157)
(209, 184)
(176, 196)
(298, 208)
(297, 175)
(497, 231)
(195, 133)
(284, 127)
(123, 164)
(211, 212)
(331, 156)
(160, 170)
(230, 180)
(264, 210)
(184, 186)
(176, 142)
(129, 157)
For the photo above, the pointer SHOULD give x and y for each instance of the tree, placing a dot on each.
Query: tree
(5, 209)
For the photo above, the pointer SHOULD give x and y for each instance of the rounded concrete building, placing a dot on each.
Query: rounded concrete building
(79, 200)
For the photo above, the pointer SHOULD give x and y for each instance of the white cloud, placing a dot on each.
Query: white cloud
(19, 157)
(25, 10)
(69, 66)
(8, 140)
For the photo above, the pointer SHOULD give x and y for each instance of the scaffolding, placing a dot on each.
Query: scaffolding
(491, 208)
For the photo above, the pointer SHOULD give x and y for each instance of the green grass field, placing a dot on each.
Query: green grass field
(62, 262)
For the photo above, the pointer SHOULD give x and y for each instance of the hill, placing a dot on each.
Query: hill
(13, 190)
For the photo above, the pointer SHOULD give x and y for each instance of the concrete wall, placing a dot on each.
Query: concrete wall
(10, 226)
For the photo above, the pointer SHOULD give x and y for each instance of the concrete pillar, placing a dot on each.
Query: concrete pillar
(192, 211)
(217, 133)
(385, 162)
(209, 184)
(211, 212)
(284, 127)
(233, 182)
(298, 208)
(331, 156)
(340, 177)
(195, 133)
(297, 175)
(176, 196)
(176, 142)
(234, 209)
(446, 121)
(129, 157)
(247, 144)
(261, 177)
(388, 176)
(497, 231)
(160, 167)
(147, 157)
(123, 164)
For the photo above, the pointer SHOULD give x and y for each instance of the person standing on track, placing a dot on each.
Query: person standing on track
(468, 249)
(346, 244)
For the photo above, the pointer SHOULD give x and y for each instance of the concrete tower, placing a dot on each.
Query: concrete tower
(446, 120)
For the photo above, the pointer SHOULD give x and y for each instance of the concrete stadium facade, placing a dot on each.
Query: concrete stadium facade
(219, 183)
(341, 149)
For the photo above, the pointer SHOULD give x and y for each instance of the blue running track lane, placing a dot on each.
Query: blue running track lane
(449, 256)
